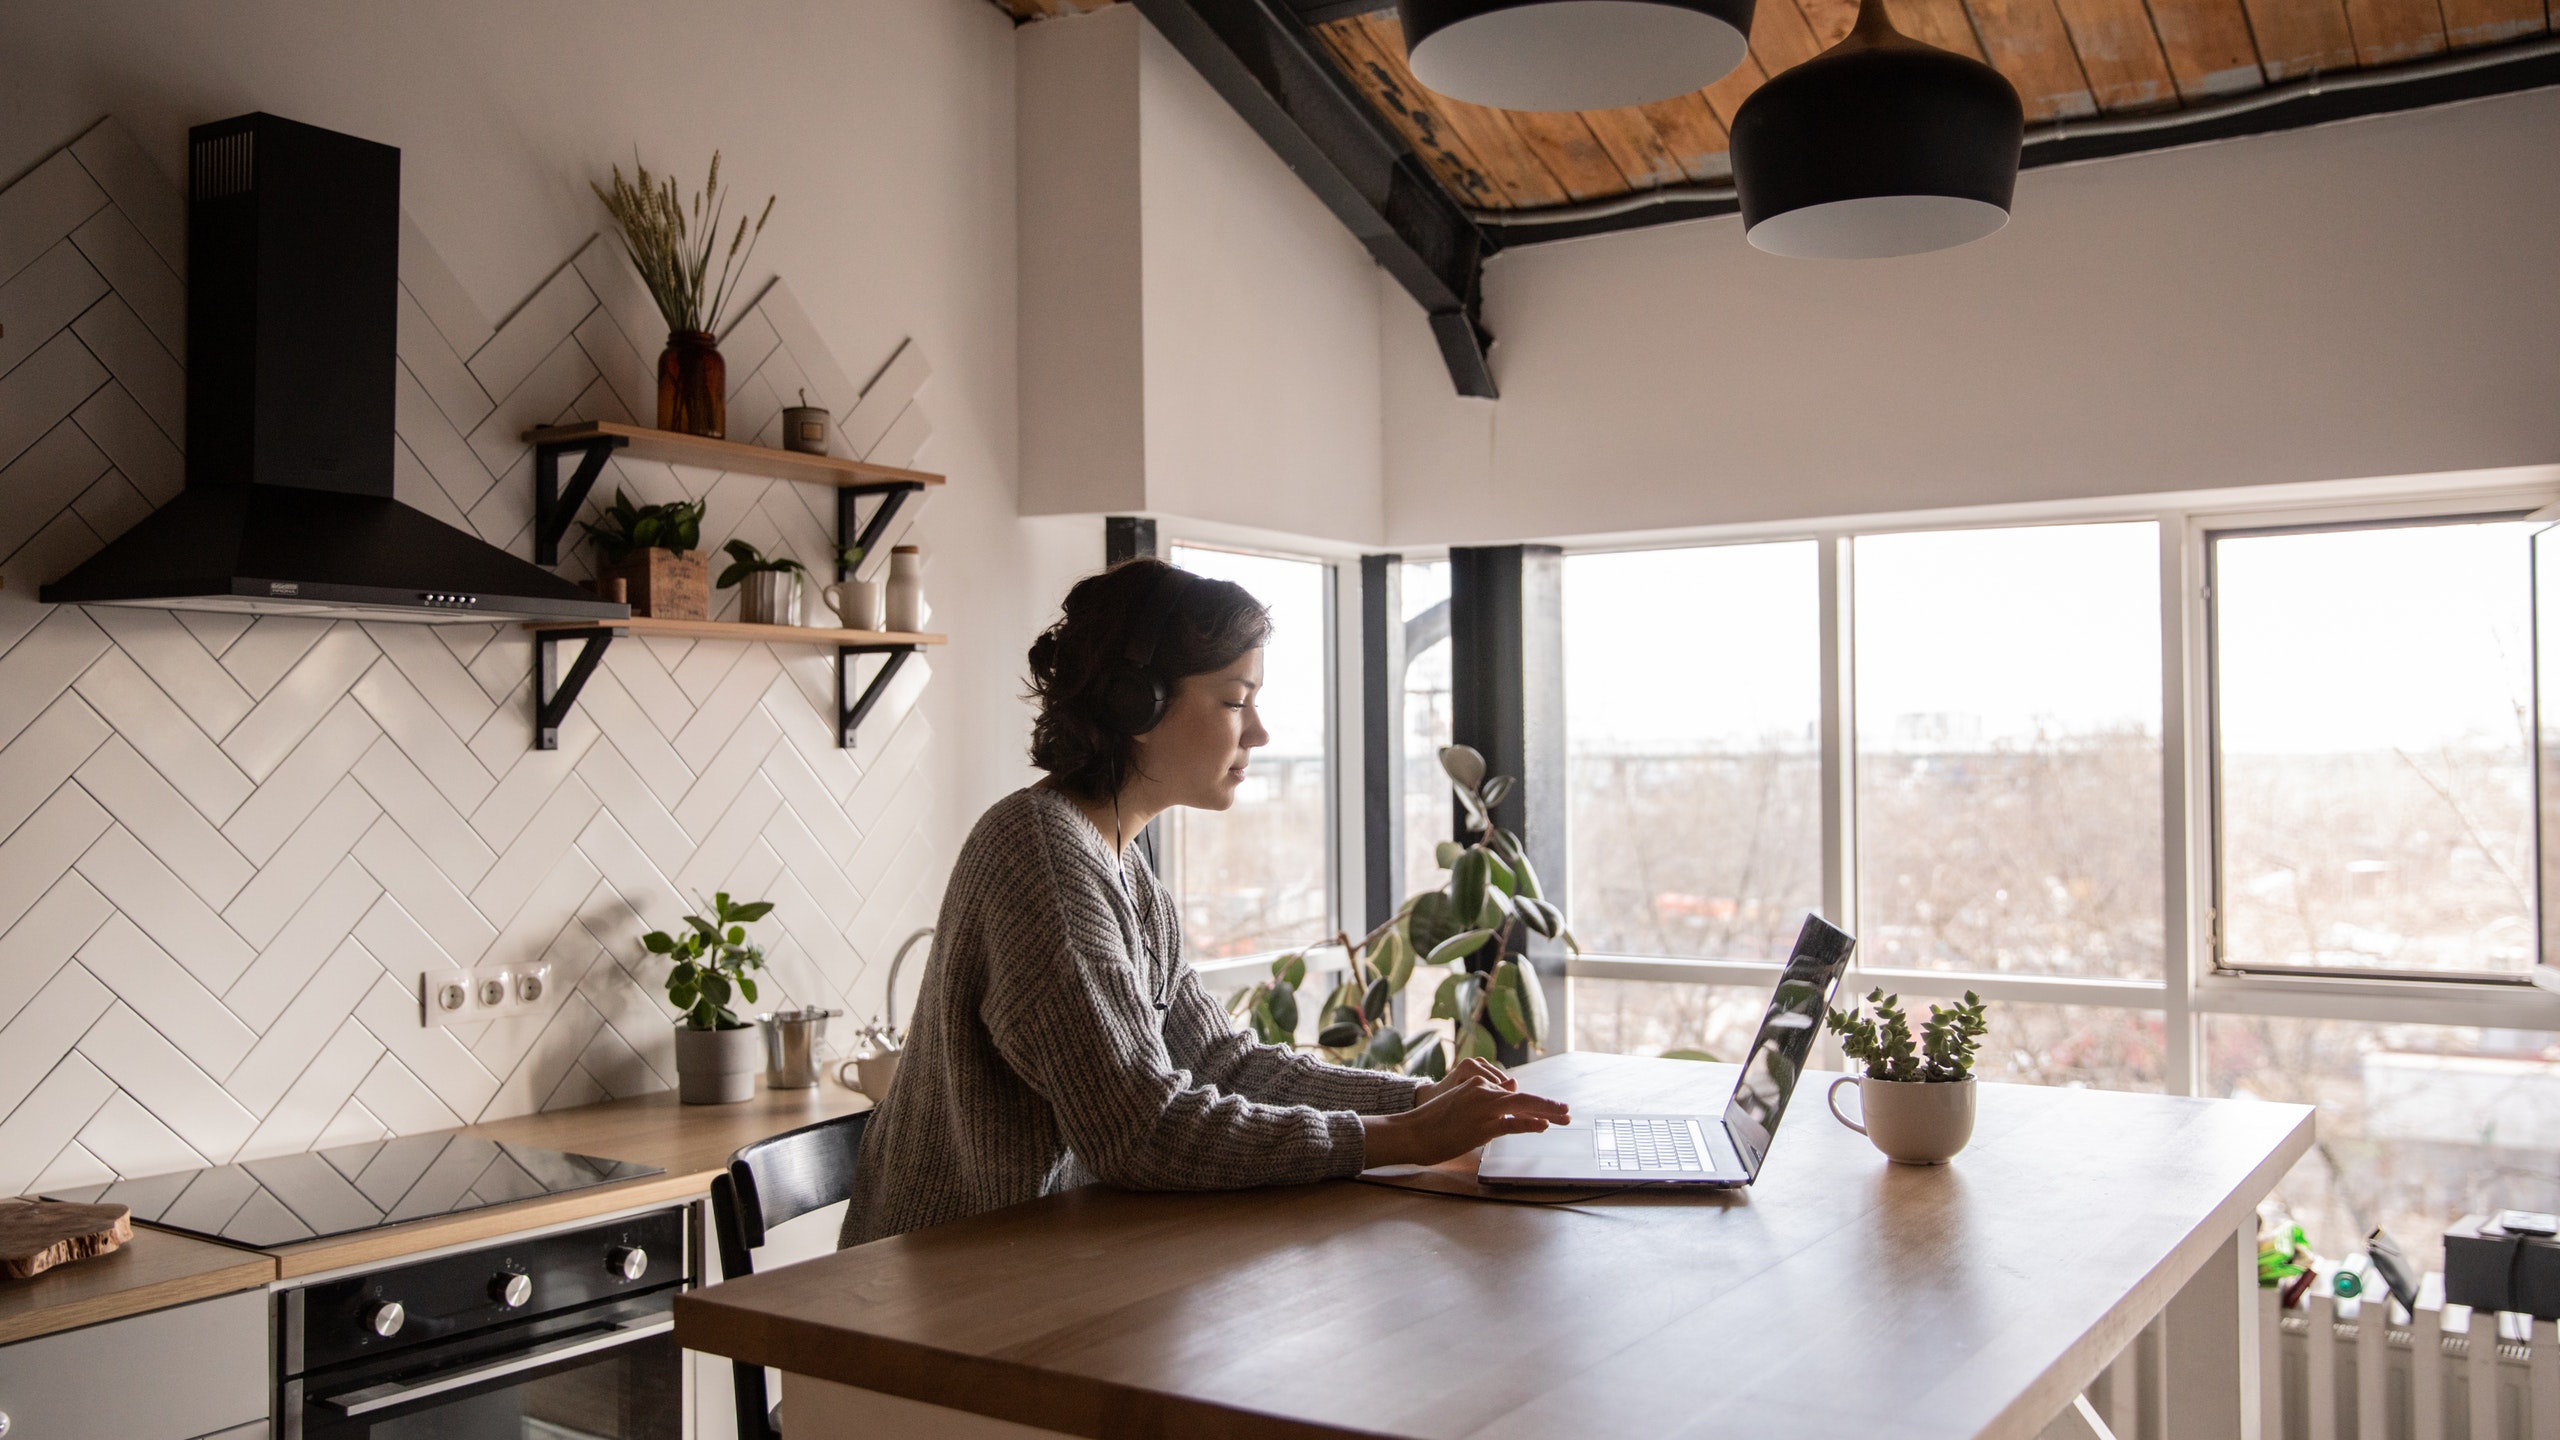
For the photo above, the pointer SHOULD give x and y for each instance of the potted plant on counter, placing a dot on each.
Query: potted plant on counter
(768, 585)
(717, 1054)
(655, 551)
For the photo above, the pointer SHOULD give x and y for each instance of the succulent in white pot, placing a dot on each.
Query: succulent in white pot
(717, 1054)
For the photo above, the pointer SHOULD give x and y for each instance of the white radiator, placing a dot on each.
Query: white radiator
(2424, 1380)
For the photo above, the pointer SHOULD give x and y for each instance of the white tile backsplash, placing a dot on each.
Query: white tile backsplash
(229, 846)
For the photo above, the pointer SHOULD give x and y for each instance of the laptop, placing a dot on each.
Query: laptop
(1718, 1150)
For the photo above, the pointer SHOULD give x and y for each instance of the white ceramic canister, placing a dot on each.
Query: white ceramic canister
(906, 609)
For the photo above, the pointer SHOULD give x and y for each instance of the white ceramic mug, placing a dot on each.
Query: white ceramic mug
(1914, 1122)
(856, 603)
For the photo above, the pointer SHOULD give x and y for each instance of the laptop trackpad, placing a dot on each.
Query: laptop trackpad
(1560, 1142)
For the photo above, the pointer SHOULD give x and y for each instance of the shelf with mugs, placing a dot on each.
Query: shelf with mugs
(556, 504)
(556, 689)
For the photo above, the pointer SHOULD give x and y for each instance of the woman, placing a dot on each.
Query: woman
(1060, 1036)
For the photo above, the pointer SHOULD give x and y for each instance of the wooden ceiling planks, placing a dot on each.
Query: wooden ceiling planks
(2069, 59)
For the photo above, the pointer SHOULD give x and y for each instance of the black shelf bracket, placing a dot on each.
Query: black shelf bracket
(851, 710)
(555, 693)
(892, 494)
(554, 507)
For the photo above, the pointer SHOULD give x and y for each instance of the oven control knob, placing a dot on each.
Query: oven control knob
(386, 1319)
(628, 1261)
(511, 1288)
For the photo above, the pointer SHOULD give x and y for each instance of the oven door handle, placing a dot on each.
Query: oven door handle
(383, 1397)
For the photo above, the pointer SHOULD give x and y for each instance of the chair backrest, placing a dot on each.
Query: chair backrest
(766, 1184)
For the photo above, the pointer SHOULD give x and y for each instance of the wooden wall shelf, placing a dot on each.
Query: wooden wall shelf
(555, 691)
(644, 626)
(642, 443)
(556, 503)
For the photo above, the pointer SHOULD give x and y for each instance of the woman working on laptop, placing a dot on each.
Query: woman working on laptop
(1061, 1037)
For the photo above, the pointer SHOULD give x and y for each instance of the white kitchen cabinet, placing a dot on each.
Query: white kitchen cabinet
(184, 1373)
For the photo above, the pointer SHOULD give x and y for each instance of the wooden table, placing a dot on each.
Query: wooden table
(1840, 1297)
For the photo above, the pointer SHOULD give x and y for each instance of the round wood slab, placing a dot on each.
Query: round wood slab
(36, 1235)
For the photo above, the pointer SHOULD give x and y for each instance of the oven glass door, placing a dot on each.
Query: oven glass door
(623, 1381)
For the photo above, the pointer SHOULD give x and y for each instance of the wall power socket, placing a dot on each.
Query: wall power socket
(483, 992)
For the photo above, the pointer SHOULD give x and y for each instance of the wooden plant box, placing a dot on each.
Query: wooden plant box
(664, 584)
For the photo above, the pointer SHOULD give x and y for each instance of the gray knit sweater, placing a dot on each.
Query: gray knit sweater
(1039, 1060)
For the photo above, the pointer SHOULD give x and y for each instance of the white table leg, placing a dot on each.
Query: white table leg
(2080, 1422)
(2211, 1354)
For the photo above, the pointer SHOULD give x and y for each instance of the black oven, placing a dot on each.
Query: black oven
(566, 1336)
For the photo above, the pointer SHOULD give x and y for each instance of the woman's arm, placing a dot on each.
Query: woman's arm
(1203, 1040)
(1078, 1027)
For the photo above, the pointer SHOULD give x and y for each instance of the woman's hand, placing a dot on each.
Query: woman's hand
(1470, 1068)
(1456, 1115)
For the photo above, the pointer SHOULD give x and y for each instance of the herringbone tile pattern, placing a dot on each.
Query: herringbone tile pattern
(228, 847)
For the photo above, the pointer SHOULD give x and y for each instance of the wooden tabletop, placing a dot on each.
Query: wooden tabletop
(1841, 1295)
(152, 1270)
(691, 1143)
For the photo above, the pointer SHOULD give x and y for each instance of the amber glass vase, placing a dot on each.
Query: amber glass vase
(693, 385)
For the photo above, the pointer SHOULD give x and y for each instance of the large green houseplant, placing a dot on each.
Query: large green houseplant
(1491, 999)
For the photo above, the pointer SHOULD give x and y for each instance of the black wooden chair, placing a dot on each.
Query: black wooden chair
(767, 1183)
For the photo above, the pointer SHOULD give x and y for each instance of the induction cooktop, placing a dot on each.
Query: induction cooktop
(353, 1187)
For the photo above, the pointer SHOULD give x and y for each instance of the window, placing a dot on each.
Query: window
(1694, 695)
(1253, 879)
(2419, 1124)
(1430, 814)
(2373, 689)
(2008, 724)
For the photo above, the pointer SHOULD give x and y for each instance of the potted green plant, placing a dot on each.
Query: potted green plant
(671, 248)
(1493, 1001)
(716, 1052)
(768, 585)
(1916, 1097)
(655, 550)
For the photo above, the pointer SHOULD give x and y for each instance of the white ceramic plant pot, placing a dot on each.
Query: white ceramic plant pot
(1914, 1122)
(770, 597)
(717, 1067)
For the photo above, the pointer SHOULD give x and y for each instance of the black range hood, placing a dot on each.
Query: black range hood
(293, 257)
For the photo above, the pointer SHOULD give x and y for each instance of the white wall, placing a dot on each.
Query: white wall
(227, 852)
(2365, 299)
(1252, 390)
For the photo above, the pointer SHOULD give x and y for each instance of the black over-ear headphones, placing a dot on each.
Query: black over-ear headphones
(1132, 697)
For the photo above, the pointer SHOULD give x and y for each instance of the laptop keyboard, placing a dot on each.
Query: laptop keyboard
(1646, 1143)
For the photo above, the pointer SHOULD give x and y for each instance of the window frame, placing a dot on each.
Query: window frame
(2193, 983)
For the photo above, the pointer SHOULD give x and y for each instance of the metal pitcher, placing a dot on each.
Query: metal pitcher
(792, 1040)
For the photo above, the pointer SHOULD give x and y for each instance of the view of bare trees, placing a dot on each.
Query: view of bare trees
(2032, 858)
(2380, 860)
(1252, 878)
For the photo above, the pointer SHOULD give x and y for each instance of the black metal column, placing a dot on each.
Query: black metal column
(1382, 662)
(1126, 537)
(1506, 672)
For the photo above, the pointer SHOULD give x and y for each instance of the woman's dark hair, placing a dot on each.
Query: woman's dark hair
(1203, 625)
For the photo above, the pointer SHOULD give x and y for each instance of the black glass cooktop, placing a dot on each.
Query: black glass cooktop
(352, 1188)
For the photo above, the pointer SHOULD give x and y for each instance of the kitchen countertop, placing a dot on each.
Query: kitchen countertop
(691, 1143)
(153, 1270)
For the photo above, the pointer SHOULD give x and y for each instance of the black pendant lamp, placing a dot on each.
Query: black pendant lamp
(1878, 146)
(1572, 54)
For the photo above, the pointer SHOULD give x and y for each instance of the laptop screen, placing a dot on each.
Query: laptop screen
(1786, 1038)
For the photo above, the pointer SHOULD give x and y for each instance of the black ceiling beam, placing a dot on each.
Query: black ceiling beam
(1264, 60)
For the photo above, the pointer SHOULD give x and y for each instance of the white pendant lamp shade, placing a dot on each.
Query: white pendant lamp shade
(1573, 54)
(1878, 146)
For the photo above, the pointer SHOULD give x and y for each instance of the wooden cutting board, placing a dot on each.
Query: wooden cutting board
(36, 1235)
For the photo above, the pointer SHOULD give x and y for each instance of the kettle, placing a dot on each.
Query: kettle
(792, 1039)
